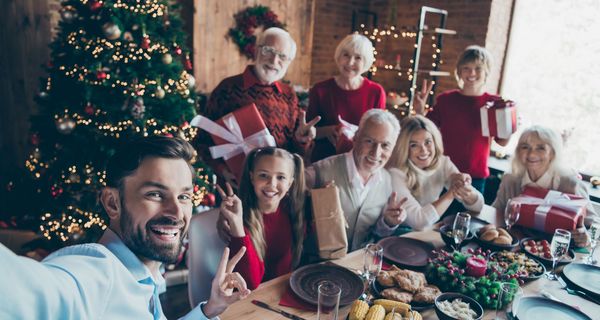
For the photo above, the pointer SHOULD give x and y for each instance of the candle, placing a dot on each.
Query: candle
(476, 267)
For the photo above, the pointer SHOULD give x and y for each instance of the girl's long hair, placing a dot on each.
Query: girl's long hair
(253, 218)
(400, 155)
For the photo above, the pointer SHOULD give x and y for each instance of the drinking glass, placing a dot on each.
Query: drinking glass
(511, 213)
(594, 232)
(328, 300)
(558, 248)
(509, 297)
(460, 228)
(373, 259)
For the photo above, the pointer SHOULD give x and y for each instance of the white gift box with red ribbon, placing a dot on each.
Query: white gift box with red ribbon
(235, 138)
(347, 130)
(498, 119)
(548, 210)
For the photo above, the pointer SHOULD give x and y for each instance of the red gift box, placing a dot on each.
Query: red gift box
(498, 119)
(235, 135)
(548, 210)
(347, 132)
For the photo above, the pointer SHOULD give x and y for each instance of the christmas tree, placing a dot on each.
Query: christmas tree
(118, 68)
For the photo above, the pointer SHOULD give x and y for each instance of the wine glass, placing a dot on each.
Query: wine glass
(511, 213)
(373, 259)
(509, 298)
(558, 248)
(460, 228)
(594, 232)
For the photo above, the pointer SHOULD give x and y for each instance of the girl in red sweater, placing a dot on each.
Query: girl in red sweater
(268, 216)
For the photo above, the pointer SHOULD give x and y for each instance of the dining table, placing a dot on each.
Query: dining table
(270, 292)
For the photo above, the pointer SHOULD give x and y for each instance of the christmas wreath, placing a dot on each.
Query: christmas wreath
(246, 22)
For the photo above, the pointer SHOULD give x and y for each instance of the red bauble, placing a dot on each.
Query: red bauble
(145, 42)
(188, 64)
(100, 75)
(209, 200)
(178, 51)
(89, 109)
(35, 139)
(56, 191)
(95, 5)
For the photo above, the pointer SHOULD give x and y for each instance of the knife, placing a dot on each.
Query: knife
(281, 312)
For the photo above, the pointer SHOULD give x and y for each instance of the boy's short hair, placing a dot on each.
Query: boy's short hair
(474, 53)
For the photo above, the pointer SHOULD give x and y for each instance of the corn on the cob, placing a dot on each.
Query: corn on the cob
(388, 305)
(416, 315)
(393, 316)
(359, 310)
(376, 312)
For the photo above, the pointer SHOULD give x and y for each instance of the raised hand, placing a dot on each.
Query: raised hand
(306, 131)
(421, 97)
(227, 286)
(231, 209)
(393, 213)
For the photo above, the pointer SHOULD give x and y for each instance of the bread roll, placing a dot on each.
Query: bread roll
(503, 232)
(503, 240)
(489, 235)
(485, 228)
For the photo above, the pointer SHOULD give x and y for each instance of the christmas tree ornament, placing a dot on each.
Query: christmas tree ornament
(43, 94)
(101, 75)
(111, 31)
(65, 124)
(95, 5)
(177, 50)
(34, 139)
(191, 81)
(68, 13)
(159, 93)
(186, 93)
(74, 178)
(145, 44)
(56, 191)
(36, 154)
(209, 200)
(187, 64)
(127, 36)
(167, 58)
(138, 108)
(89, 109)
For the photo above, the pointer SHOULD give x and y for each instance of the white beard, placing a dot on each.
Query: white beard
(271, 75)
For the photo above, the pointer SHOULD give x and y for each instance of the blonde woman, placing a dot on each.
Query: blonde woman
(348, 94)
(537, 162)
(420, 171)
(268, 217)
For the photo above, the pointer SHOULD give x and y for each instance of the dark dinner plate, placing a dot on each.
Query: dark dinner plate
(406, 252)
(584, 277)
(417, 306)
(548, 262)
(305, 282)
(542, 308)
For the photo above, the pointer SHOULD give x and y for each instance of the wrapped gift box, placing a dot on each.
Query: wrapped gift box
(548, 210)
(330, 223)
(347, 132)
(498, 119)
(235, 135)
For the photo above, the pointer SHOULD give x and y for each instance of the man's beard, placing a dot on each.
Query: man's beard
(140, 242)
(269, 76)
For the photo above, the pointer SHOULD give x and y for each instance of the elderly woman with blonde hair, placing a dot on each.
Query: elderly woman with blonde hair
(537, 162)
(347, 95)
(420, 172)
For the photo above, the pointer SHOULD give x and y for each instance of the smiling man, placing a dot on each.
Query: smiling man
(260, 84)
(364, 185)
(148, 201)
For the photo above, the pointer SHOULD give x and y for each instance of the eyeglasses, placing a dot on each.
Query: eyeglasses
(270, 52)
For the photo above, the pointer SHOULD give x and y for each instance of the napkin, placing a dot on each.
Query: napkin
(290, 299)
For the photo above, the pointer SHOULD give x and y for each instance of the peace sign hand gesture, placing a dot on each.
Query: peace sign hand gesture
(421, 97)
(227, 286)
(393, 213)
(231, 209)
(306, 131)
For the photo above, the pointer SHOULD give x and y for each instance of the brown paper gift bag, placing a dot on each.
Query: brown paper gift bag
(330, 223)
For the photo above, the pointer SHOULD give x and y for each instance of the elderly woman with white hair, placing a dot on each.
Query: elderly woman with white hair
(537, 162)
(347, 95)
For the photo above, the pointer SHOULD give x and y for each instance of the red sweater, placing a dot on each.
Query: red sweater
(277, 104)
(459, 121)
(328, 100)
(278, 257)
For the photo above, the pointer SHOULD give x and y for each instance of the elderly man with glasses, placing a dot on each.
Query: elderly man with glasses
(276, 102)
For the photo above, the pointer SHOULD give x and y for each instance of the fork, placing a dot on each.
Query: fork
(577, 292)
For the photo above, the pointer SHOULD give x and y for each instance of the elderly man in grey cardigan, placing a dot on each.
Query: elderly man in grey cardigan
(365, 189)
